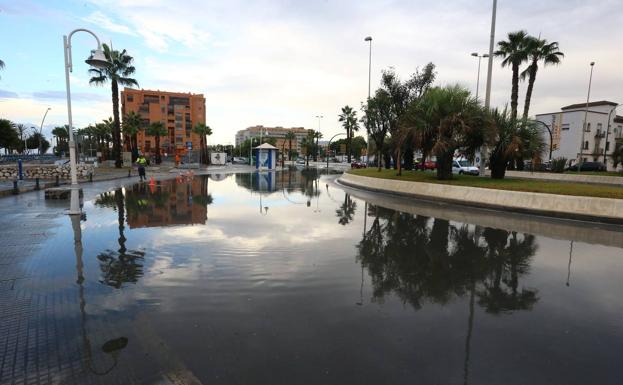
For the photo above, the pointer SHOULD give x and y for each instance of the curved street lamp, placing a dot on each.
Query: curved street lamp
(329, 148)
(551, 138)
(608, 132)
(97, 59)
(479, 56)
(41, 129)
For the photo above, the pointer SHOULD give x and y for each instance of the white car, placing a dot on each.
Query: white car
(462, 166)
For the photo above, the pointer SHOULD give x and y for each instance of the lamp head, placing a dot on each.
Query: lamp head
(592, 63)
(485, 55)
(98, 59)
(369, 38)
(475, 54)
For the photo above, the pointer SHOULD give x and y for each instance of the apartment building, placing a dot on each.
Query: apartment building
(593, 142)
(278, 133)
(180, 112)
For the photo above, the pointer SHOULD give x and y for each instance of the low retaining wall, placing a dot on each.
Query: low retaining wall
(567, 177)
(563, 206)
(44, 171)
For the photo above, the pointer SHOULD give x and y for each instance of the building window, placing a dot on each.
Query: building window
(585, 147)
(130, 98)
(607, 146)
(599, 126)
(588, 127)
(565, 127)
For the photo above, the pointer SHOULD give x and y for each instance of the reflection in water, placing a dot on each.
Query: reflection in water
(111, 347)
(419, 262)
(346, 212)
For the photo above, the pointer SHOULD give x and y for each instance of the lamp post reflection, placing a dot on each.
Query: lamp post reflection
(111, 347)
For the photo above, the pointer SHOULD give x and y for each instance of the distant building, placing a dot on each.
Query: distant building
(179, 112)
(599, 135)
(278, 133)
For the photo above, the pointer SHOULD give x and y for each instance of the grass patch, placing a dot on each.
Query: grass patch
(515, 184)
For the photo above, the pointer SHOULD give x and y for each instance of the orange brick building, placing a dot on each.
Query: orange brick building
(180, 112)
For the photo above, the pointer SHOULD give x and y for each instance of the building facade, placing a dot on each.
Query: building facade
(278, 133)
(595, 142)
(179, 112)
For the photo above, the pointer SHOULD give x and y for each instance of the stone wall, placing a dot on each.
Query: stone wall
(9, 172)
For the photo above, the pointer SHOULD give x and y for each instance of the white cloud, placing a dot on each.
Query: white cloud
(101, 20)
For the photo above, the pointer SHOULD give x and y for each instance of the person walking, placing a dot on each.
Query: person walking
(141, 162)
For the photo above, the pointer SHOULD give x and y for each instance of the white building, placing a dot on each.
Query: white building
(603, 128)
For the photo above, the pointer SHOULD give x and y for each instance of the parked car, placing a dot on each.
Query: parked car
(463, 166)
(357, 164)
(428, 165)
(588, 166)
(300, 160)
(240, 160)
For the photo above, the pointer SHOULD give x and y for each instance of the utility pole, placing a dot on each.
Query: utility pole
(483, 149)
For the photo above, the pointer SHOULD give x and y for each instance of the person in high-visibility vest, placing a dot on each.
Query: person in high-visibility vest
(141, 162)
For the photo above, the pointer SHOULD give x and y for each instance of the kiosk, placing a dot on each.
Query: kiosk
(265, 157)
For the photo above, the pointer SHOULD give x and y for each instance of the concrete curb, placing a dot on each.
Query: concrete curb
(603, 210)
(568, 177)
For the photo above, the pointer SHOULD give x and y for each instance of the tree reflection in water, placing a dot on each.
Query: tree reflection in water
(418, 261)
(121, 266)
(346, 212)
(422, 261)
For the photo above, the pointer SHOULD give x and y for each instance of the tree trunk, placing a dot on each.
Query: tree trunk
(116, 129)
(498, 166)
(348, 145)
(408, 157)
(514, 91)
(444, 166)
(398, 156)
(158, 157)
(531, 79)
(378, 159)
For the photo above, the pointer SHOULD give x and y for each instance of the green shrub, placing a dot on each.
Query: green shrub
(558, 164)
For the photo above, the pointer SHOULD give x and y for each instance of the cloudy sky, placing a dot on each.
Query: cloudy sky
(285, 62)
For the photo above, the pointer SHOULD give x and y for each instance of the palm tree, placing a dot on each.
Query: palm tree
(513, 140)
(202, 130)
(118, 74)
(458, 122)
(317, 136)
(1, 65)
(514, 52)
(617, 154)
(289, 136)
(131, 126)
(157, 129)
(346, 212)
(21, 129)
(61, 134)
(348, 117)
(538, 50)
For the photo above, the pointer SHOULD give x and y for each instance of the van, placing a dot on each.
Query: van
(463, 166)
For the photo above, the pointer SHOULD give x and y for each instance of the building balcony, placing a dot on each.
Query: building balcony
(600, 134)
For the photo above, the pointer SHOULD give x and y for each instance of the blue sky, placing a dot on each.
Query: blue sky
(284, 62)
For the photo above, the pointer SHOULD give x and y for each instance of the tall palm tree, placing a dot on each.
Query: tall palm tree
(21, 130)
(157, 129)
(514, 52)
(202, 130)
(348, 117)
(289, 137)
(317, 136)
(118, 74)
(131, 127)
(539, 50)
(1, 65)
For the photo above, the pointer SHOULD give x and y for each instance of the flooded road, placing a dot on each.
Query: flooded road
(286, 278)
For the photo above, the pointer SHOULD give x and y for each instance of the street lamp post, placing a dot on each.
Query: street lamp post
(98, 60)
(551, 138)
(483, 149)
(41, 130)
(369, 39)
(584, 126)
(318, 138)
(329, 146)
(479, 56)
(608, 132)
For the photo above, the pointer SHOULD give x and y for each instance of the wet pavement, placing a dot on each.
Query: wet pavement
(288, 278)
